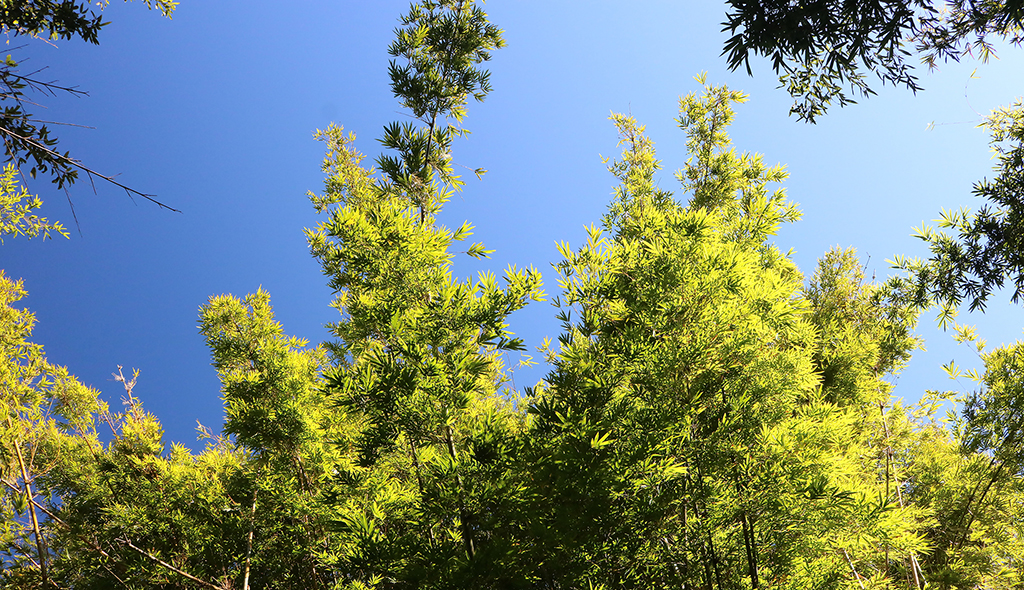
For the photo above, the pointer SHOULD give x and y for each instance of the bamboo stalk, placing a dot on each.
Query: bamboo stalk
(888, 471)
(915, 568)
(853, 569)
(29, 497)
(981, 502)
(248, 543)
(467, 533)
(419, 483)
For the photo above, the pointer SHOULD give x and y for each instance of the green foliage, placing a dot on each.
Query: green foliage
(710, 419)
(16, 206)
(417, 356)
(73, 507)
(290, 444)
(994, 415)
(862, 332)
(719, 179)
(826, 50)
(970, 480)
(441, 42)
(986, 248)
(51, 19)
(685, 435)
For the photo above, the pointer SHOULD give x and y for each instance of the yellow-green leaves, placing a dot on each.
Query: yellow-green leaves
(478, 250)
(16, 205)
(718, 178)
(862, 333)
(676, 350)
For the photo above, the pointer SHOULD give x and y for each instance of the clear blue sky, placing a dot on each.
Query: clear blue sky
(214, 111)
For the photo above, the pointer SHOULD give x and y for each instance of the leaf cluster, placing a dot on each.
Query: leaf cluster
(985, 250)
(825, 51)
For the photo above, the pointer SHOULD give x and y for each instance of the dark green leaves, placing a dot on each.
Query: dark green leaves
(442, 41)
(985, 250)
(825, 51)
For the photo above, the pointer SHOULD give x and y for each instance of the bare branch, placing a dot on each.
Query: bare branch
(128, 190)
(45, 122)
(850, 561)
(72, 205)
(48, 87)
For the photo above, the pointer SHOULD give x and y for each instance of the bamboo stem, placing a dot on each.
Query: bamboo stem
(248, 543)
(915, 568)
(467, 532)
(30, 498)
(419, 483)
(888, 470)
(853, 569)
(981, 501)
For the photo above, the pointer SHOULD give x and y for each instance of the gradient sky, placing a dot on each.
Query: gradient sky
(214, 112)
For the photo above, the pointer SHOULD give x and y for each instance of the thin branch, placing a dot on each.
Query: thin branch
(38, 505)
(40, 86)
(915, 568)
(91, 543)
(466, 529)
(19, 98)
(850, 561)
(74, 215)
(128, 190)
(55, 123)
(981, 502)
(168, 566)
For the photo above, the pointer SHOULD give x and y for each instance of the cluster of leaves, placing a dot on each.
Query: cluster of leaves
(825, 51)
(986, 248)
(16, 206)
(63, 19)
(709, 420)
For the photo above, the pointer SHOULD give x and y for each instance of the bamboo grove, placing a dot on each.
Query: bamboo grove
(712, 418)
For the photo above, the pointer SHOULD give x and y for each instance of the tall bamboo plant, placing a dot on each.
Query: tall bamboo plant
(416, 357)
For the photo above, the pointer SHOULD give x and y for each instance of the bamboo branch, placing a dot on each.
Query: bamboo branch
(37, 504)
(748, 534)
(419, 482)
(915, 568)
(128, 190)
(970, 498)
(711, 542)
(981, 502)
(467, 532)
(168, 566)
(90, 542)
(853, 569)
(888, 471)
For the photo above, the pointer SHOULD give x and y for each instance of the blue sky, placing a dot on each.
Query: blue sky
(214, 112)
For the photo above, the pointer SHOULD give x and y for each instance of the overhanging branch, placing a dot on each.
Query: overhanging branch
(132, 193)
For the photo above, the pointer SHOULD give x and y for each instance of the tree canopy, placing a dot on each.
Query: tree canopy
(711, 417)
(824, 49)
